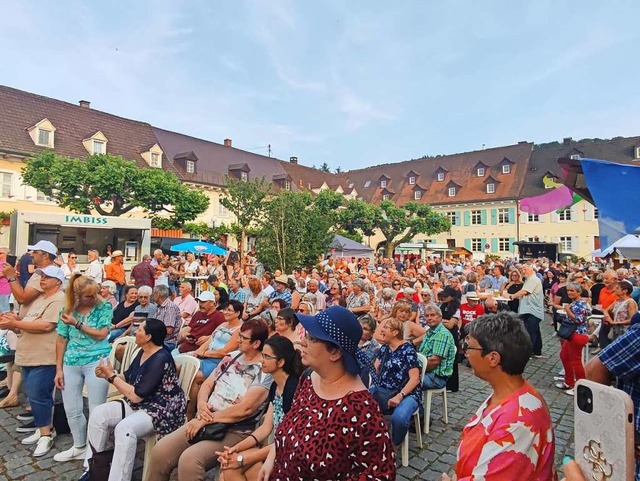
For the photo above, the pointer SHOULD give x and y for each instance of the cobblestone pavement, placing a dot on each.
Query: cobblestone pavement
(438, 454)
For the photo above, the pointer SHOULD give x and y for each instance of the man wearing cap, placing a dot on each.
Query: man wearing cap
(114, 271)
(202, 323)
(36, 350)
(470, 311)
(95, 270)
(43, 254)
(281, 292)
(185, 301)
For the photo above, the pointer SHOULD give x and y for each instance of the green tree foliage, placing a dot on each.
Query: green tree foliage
(199, 229)
(325, 167)
(295, 231)
(246, 201)
(111, 185)
(360, 216)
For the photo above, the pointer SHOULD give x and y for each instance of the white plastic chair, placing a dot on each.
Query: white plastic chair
(130, 351)
(427, 398)
(404, 448)
(189, 367)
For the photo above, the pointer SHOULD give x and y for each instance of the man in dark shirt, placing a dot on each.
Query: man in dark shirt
(202, 324)
(143, 274)
(26, 268)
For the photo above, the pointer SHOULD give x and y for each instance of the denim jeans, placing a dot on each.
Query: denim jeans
(532, 324)
(401, 415)
(431, 381)
(38, 385)
(75, 377)
(116, 333)
(5, 304)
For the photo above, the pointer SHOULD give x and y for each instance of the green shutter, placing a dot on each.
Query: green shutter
(512, 215)
(467, 217)
(494, 244)
(483, 216)
(467, 244)
(458, 217)
(483, 241)
(512, 247)
(494, 216)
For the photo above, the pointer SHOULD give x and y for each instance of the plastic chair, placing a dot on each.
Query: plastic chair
(130, 351)
(428, 396)
(189, 367)
(404, 448)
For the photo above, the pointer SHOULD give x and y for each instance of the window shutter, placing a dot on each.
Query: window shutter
(541, 217)
(524, 217)
(575, 244)
(483, 216)
(512, 215)
(494, 244)
(494, 216)
(467, 244)
(512, 247)
(483, 241)
(588, 215)
(467, 217)
(554, 217)
(458, 217)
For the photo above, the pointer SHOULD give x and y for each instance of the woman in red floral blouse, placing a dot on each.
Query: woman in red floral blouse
(334, 429)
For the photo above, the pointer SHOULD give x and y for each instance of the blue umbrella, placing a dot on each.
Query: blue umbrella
(199, 247)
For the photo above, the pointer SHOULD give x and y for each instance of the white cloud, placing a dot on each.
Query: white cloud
(358, 112)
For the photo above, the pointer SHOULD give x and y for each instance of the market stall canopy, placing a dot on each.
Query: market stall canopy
(346, 247)
(199, 247)
(628, 243)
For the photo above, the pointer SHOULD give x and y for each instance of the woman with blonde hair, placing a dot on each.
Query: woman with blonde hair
(253, 302)
(401, 311)
(83, 330)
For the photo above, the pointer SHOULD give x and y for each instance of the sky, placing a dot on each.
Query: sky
(349, 83)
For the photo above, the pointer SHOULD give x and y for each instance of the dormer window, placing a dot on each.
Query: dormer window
(417, 194)
(383, 184)
(244, 176)
(412, 180)
(575, 156)
(155, 159)
(452, 191)
(96, 144)
(491, 188)
(99, 147)
(636, 153)
(367, 184)
(191, 166)
(287, 185)
(441, 177)
(152, 155)
(506, 169)
(42, 133)
(480, 171)
(385, 196)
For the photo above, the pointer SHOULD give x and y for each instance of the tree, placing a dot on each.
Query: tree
(246, 201)
(397, 224)
(111, 185)
(338, 170)
(325, 167)
(199, 229)
(294, 232)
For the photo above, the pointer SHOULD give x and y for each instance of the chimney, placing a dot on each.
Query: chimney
(85, 103)
(566, 141)
(227, 142)
(293, 160)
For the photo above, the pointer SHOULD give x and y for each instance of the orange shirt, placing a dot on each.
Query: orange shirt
(606, 297)
(115, 272)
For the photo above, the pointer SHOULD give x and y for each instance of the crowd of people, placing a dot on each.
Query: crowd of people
(314, 374)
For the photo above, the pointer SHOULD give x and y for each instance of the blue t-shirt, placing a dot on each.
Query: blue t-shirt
(81, 348)
(25, 261)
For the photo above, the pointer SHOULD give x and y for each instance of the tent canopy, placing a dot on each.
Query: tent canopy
(345, 247)
(628, 243)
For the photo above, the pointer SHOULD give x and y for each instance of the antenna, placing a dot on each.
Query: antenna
(269, 146)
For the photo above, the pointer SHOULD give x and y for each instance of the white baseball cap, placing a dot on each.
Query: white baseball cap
(44, 246)
(52, 271)
(206, 296)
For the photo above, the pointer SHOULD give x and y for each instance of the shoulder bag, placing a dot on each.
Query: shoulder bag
(566, 329)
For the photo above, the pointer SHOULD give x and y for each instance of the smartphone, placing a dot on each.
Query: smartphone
(11, 260)
(604, 432)
(138, 317)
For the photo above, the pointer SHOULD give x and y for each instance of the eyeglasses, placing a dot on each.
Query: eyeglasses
(143, 297)
(302, 311)
(466, 347)
(244, 338)
(269, 357)
(73, 257)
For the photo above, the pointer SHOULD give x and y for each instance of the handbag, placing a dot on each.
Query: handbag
(59, 420)
(566, 329)
(100, 463)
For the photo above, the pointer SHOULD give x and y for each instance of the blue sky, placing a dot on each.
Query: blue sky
(350, 83)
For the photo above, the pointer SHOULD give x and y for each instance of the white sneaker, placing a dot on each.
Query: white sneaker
(561, 373)
(569, 392)
(33, 439)
(558, 378)
(45, 443)
(70, 454)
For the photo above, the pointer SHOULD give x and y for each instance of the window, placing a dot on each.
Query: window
(480, 171)
(98, 147)
(44, 137)
(503, 216)
(566, 242)
(533, 218)
(351, 185)
(506, 169)
(367, 184)
(595, 213)
(575, 156)
(383, 184)
(7, 180)
(417, 195)
(41, 197)
(491, 188)
(440, 176)
(244, 176)
(452, 191)
(191, 166)
(385, 196)
(155, 160)
(476, 217)
(287, 185)
(503, 244)
(453, 218)
(412, 180)
(565, 214)
(476, 245)
(222, 210)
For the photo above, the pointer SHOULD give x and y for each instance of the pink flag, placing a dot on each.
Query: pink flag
(545, 203)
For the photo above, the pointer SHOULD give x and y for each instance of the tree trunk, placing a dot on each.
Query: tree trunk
(243, 237)
(389, 248)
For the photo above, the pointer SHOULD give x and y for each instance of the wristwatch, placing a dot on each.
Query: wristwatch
(111, 378)
(12, 279)
(240, 460)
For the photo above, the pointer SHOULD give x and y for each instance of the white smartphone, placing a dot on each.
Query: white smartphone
(604, 432)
